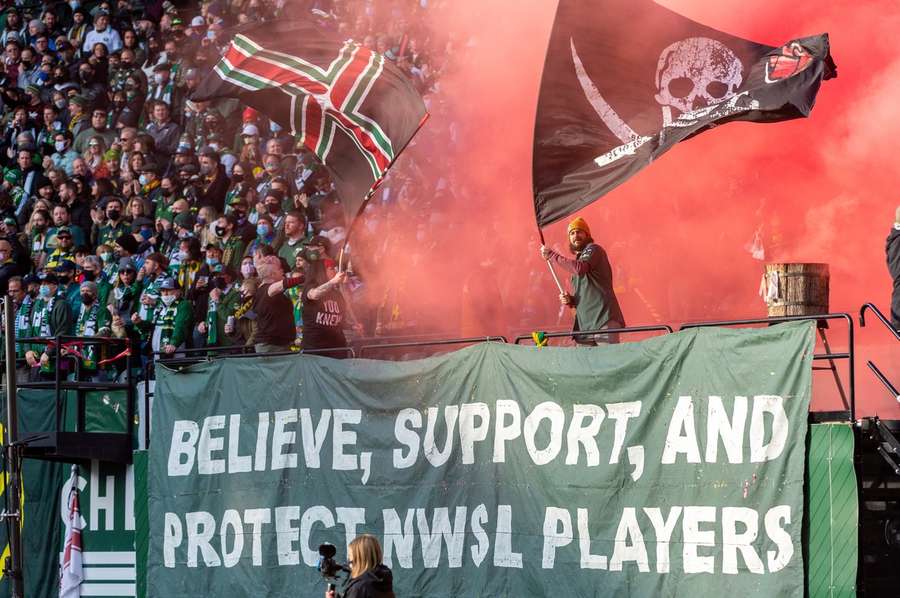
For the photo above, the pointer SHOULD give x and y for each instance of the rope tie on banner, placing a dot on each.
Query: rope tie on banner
(540, 338)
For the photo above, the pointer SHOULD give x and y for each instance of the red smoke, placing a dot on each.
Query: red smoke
(818, 190)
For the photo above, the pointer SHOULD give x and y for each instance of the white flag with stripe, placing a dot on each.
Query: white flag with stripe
(71, 572)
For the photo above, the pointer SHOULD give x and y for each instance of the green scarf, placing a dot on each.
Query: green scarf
(164, 318)
(212, 320)
(23, 324)
(87, 326)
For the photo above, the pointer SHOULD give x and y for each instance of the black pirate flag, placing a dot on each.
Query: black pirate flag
(625, 80)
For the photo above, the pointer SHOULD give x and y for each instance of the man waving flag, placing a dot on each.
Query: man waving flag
(348, 105)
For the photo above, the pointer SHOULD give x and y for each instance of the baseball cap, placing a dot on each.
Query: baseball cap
(65, 266)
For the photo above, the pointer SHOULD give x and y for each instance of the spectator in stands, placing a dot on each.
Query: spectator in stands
(164, 132)
(97, 129)
(50, 316)
(8, 266)
(214, 183)
(224, 301)
(107, 230)
(123, 299)
(274, 311)
(65, 155)
(90, 320)
(65, 249)
(245, 331)
(171, 320)
(291, 244)
(22, 302)
(324, 309)
(102, 33)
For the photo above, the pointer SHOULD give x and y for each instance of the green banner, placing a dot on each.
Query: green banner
(41, 523)
(106, 498)
(672, 466)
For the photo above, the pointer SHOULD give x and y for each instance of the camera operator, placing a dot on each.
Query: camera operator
(369, 577)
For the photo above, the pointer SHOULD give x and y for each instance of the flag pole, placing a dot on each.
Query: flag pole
(371, 192)
(13, 514)
(549, 265)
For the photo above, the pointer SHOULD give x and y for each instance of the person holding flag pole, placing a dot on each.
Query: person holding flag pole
(71, 573)
(592, 297)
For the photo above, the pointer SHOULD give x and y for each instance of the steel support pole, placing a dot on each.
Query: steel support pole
(14, 568)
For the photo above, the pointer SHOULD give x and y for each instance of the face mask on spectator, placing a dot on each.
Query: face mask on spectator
(87, 298)
(60, 146)
(220, 231)
(44, 291)
(113, 214)
(61, 104)
(205, 168)
(106, 256)
(181, 255)
(158, 78)
(262, 230)
(237, 178)
(142, 179)
(272, 207)
(274, 127)
(211, 261)
(168, 299)
(146, 233)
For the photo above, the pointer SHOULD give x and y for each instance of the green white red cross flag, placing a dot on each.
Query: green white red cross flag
(351, 107)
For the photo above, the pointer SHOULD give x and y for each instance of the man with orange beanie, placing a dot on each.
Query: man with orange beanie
(592, 297)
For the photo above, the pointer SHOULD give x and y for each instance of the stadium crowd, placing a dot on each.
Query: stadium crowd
(127, 210)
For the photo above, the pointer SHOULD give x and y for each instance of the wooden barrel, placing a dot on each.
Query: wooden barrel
(796, 289)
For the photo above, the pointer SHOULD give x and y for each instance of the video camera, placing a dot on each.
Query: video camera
(328, 567)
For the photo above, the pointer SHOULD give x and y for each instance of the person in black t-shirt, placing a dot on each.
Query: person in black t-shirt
(274, 310)
(324, 310)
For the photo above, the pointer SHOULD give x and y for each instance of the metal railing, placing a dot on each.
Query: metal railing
(572, 333)
(849, 355)
(368, 348)
(63, 353)
(876, 371)
(881, 317)
(884, 380)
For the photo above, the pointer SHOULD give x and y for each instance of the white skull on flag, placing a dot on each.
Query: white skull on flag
(694, 73)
